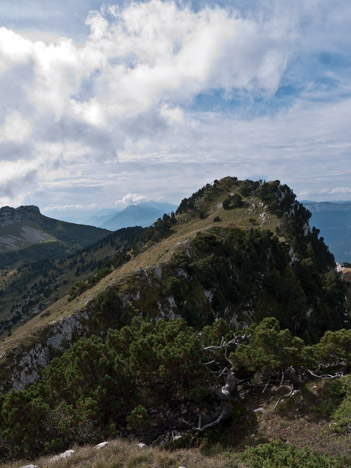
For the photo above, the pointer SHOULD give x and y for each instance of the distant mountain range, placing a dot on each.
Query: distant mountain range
(143, 214)
(334, 222)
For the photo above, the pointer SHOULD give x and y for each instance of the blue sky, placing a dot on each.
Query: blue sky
(106, 104)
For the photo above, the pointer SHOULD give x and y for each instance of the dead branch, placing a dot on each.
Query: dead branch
(326, 376)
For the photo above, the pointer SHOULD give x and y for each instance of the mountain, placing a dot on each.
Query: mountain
(26, 235)
(196, 320)
(143, 214)
(333, 219)
(240, 250)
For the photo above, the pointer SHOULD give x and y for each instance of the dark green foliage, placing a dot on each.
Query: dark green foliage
(277, 454)
(248, 188)
(342, 415)
(139, 419)
(270, 350)
(240, 267)
(148, 378)
(159, 230)
(333, 348)
(142, 378)
(233, 201)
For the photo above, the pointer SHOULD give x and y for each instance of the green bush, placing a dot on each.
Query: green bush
(277, 454)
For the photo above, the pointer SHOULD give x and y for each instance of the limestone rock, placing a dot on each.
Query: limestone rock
(63, 455)
(101, 445)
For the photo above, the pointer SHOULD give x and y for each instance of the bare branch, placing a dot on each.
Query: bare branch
(326, 376)
(282, 379)
(265, 387)
(234, 341)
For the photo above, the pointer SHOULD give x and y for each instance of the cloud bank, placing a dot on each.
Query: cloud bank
(160, 97)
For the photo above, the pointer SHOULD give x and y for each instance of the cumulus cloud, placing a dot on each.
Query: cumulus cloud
(130, 199)
(148, 52)
(119, 111)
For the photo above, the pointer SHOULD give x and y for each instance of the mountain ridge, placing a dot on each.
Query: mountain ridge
(182, 328)
(230, 211)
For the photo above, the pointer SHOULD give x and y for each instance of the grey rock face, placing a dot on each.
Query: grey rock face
(8, 216)
(26, 365)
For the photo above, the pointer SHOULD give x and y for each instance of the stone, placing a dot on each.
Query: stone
(259, 410)
(101, 445)
(62, 456)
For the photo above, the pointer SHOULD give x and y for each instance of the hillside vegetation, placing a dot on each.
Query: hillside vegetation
(214, 310)
(30, 288)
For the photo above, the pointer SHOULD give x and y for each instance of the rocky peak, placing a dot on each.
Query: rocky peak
(9, 215)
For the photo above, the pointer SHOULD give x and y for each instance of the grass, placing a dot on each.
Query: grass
(123, 454)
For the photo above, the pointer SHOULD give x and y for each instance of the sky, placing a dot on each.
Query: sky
(108, 104)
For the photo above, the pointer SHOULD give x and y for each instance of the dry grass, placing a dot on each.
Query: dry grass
(123, 454)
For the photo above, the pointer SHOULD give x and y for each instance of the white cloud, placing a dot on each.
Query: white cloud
(89, 207)
(15, 128)
(326, 191)
(129, 199)
(14, 49)
(173, 115)
(113, 113)
(149, 52)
